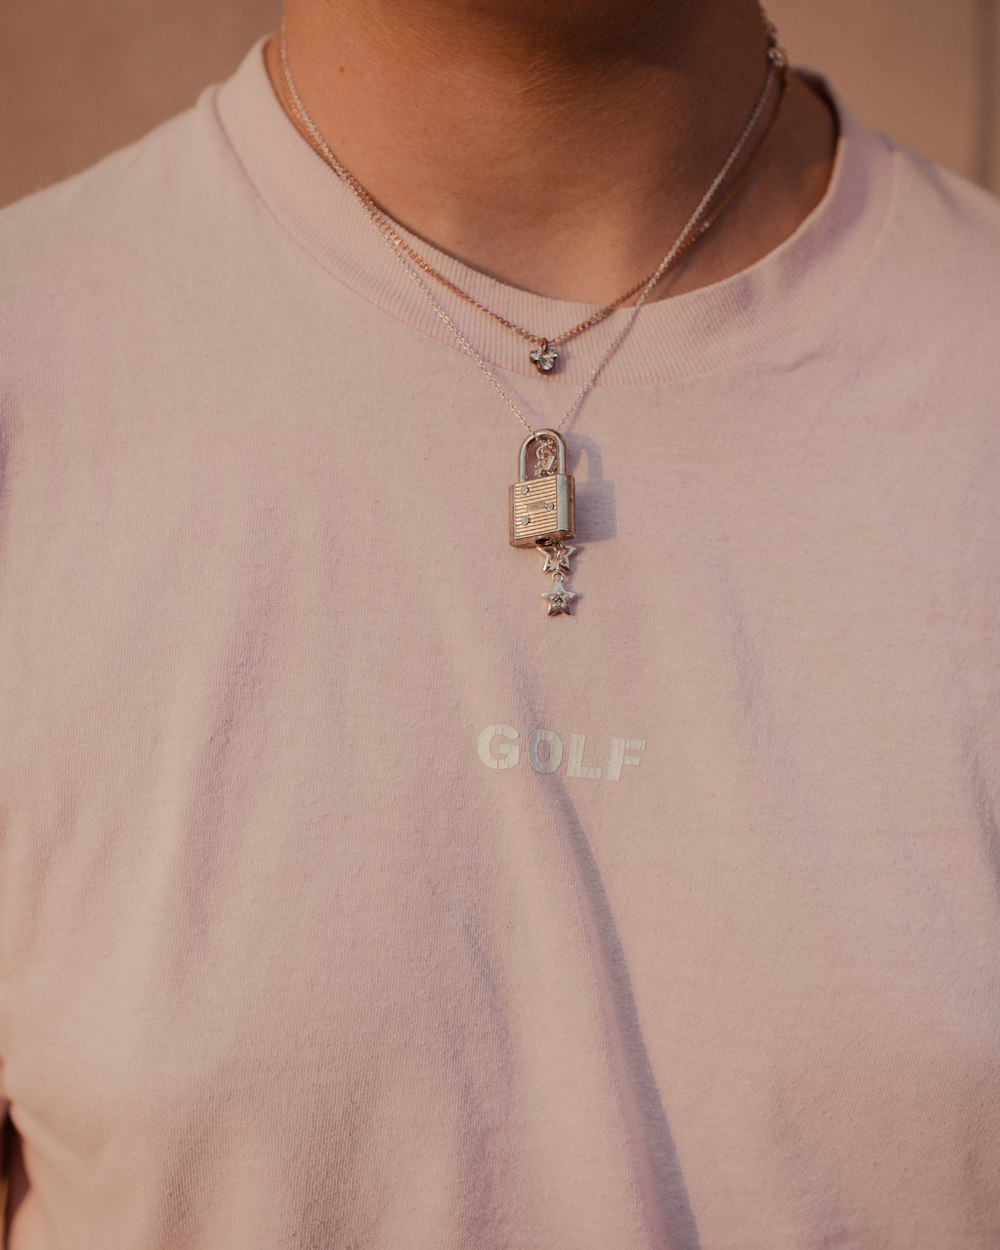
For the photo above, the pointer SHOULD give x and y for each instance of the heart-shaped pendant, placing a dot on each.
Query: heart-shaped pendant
(544, 358)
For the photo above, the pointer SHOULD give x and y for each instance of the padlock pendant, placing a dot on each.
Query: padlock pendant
(542, 507)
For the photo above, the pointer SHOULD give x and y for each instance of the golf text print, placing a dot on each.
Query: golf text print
(500, 747)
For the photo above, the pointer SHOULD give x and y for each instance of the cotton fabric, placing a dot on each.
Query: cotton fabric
(349, 900)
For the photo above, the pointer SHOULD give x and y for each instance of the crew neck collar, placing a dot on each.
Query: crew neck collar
(679, 336)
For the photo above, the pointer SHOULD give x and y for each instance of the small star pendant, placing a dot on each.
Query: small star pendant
(556, 558)
(559, 600)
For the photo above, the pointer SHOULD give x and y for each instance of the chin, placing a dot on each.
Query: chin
(569, 20)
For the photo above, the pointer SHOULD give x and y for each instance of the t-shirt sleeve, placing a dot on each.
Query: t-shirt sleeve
(5, 1135)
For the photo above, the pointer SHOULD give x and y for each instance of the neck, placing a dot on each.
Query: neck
(562, 155)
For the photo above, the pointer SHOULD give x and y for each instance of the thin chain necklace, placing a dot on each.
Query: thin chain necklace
(544, 353)
(542, 506)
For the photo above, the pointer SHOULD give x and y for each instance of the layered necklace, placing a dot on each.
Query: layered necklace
(541, 503)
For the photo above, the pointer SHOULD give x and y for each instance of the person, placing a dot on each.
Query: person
(371, 879)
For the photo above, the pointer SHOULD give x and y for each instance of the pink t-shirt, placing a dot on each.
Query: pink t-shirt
(349, 901)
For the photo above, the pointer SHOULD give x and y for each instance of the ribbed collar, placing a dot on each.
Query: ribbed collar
(679, 336)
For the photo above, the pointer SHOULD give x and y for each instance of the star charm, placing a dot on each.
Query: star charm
(559, 600)
(556, 558)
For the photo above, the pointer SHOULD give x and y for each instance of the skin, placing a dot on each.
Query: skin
(559, 151)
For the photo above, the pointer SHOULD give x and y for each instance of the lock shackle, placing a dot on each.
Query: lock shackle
(534, 436)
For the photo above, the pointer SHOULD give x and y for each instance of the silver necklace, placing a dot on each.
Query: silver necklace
(542, 505)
